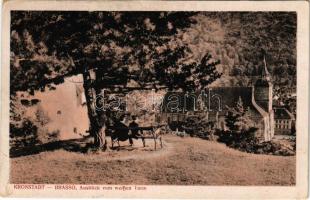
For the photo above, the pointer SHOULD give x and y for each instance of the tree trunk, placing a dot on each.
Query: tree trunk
(97, 122)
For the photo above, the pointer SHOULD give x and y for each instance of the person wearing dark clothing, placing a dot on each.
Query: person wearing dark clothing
(135, 132)
(121, 131)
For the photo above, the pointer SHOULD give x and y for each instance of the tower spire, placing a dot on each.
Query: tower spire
(265, 66)
(265, 72)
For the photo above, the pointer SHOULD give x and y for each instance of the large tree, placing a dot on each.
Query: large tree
(110, 49)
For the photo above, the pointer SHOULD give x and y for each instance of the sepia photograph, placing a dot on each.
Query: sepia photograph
(152, 98)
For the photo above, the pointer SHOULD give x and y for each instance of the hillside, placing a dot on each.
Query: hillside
(239, 40)
(182, 161)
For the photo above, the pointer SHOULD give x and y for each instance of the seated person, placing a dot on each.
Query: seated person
(121, 131)
(134, 133)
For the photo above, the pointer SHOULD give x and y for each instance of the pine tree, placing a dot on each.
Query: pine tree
(241, 127)
(238, 118)
(231, 120)
(239, 106)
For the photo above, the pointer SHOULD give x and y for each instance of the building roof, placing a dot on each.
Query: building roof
(230, 96)
(227, 96)
(282, 113)
(265, 79)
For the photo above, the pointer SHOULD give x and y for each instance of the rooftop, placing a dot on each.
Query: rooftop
(217, 97)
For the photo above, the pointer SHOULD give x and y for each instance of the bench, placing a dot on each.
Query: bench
(141, 134)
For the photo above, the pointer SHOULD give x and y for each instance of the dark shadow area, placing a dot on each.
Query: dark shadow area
(122, 148)
(81, 145)
(74, 145)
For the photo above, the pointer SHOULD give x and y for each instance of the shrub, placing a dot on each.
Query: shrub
(23, 134)
(246, 141)
(198, 126)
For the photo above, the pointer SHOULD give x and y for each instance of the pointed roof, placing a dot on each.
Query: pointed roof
(265, 79)
(265, 71)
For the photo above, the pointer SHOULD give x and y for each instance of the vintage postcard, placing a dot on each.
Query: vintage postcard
(155, 99)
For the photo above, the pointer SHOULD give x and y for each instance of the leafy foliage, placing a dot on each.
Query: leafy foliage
(248, 32)
(238, 118)
(118, 48)
(241, 134)
(199, 126)
(24, 134)
(241, 129)
(121, 46)
(245, 33)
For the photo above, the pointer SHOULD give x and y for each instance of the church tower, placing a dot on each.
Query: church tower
(263, 89)
(263, 98)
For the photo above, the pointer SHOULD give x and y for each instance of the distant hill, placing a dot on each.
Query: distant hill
(237, 38)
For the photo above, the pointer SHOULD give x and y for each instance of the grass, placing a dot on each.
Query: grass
(182, 161)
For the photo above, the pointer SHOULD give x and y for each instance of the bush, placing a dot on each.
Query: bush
(246, 141)
(24, 134)
(275, 148)
(197, 126)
